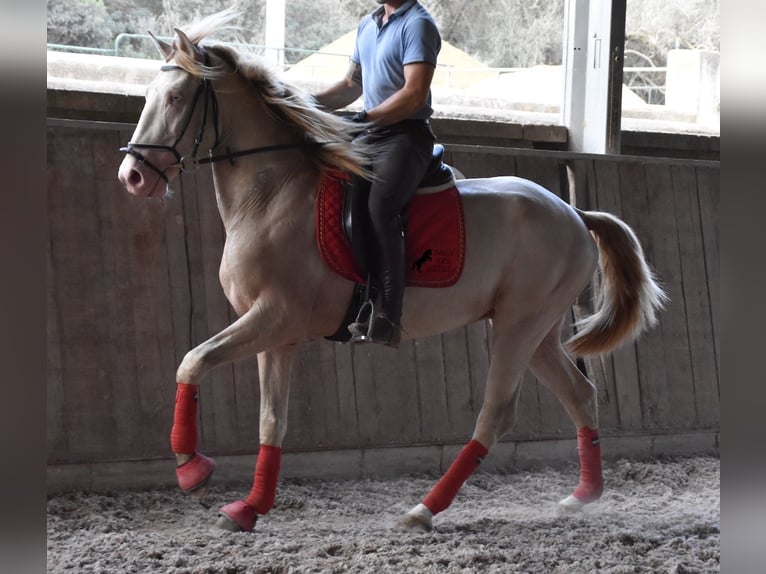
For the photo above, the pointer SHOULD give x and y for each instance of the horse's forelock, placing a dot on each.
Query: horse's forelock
(197, 32)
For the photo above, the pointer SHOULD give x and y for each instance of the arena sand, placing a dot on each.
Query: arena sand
(657, 516)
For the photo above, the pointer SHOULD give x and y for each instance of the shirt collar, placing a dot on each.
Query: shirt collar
(377, 16)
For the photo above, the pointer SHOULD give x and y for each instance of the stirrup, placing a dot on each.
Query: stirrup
(360, 328)
(376, 328)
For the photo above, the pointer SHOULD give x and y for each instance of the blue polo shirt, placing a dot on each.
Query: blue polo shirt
(410, 36)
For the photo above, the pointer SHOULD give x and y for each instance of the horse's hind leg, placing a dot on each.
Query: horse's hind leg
(554, 369)
(512, 347)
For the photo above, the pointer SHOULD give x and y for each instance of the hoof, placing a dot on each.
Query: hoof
(571, 505)
(419, 518)
(195, 474)
(236, 517)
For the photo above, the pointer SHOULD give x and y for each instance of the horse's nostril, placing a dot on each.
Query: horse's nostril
(134, 178)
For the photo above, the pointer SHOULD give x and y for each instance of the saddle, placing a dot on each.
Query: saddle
(434, 231)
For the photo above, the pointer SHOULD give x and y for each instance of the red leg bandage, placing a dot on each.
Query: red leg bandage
(591, 480)
(444, 491)
(264, 490)
(183, 435)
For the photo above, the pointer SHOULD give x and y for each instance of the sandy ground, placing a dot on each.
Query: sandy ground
(660, 516)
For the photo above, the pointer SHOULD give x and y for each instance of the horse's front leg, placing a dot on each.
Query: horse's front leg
(260, 328)
(274, 374)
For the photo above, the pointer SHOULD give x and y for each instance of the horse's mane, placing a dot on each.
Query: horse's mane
(284, 101)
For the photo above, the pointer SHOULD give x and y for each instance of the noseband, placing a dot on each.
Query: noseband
(206, 92)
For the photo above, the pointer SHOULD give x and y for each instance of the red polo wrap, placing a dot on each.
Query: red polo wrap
(444, 491)
(591, 480)
(183, 435)
(264, 490)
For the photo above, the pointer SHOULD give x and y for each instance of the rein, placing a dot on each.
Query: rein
(207, 93)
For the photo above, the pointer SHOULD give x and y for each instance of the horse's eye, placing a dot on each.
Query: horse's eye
(173, 98)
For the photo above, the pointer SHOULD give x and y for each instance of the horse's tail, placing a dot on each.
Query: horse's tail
(628, 295)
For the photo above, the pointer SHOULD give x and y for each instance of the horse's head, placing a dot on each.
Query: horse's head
(181, 122)
(178, 120)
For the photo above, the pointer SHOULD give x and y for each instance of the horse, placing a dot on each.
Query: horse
(528, 256)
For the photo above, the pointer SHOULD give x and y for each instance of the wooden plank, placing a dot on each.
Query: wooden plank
(623, 371)
(143, 268)
(459, 399)
(306, 428)
(115, 219)
(396, 391)
(315, 414)
(326, 395)
(708, 195)
(584, 196)
(542, 170)
(696, 297)
(433, 412)
(143, 306)
(367, 404)
(665, 186)
(179, 279)
(346, 397)
(56, 433)
(80, 301)
(652, 228)
(473, 164)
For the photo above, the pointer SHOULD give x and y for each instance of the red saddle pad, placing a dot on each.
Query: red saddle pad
(435, 242)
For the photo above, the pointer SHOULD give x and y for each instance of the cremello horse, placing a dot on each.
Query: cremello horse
(528, 256)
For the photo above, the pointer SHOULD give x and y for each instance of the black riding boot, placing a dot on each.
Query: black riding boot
(384, 327)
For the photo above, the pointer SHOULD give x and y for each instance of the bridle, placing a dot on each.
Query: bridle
(206, 92)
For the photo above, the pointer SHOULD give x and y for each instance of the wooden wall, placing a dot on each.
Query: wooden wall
(132, 285)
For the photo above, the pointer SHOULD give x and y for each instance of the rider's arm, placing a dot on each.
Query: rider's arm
(343, 92)
(408, 100)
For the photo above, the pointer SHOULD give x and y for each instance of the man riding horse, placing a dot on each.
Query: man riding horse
(392, 66)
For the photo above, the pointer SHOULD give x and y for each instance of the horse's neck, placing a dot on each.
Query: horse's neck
(262, 186)
(265, 190)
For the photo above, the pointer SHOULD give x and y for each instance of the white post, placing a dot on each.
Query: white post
(275, 32)
(594, 46)
(575, 59)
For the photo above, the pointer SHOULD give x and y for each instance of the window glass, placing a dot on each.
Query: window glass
(671, 72)
(501, 59)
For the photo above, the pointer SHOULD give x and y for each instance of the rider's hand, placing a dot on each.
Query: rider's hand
(359, 117)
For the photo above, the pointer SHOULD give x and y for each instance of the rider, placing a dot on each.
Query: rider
(393, 64)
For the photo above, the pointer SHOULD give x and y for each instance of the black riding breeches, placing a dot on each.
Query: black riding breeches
(400, 156)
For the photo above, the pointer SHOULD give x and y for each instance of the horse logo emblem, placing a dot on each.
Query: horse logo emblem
(426, 257)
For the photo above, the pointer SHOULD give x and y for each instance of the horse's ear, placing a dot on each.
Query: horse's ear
(184, 44)
(164, 48)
